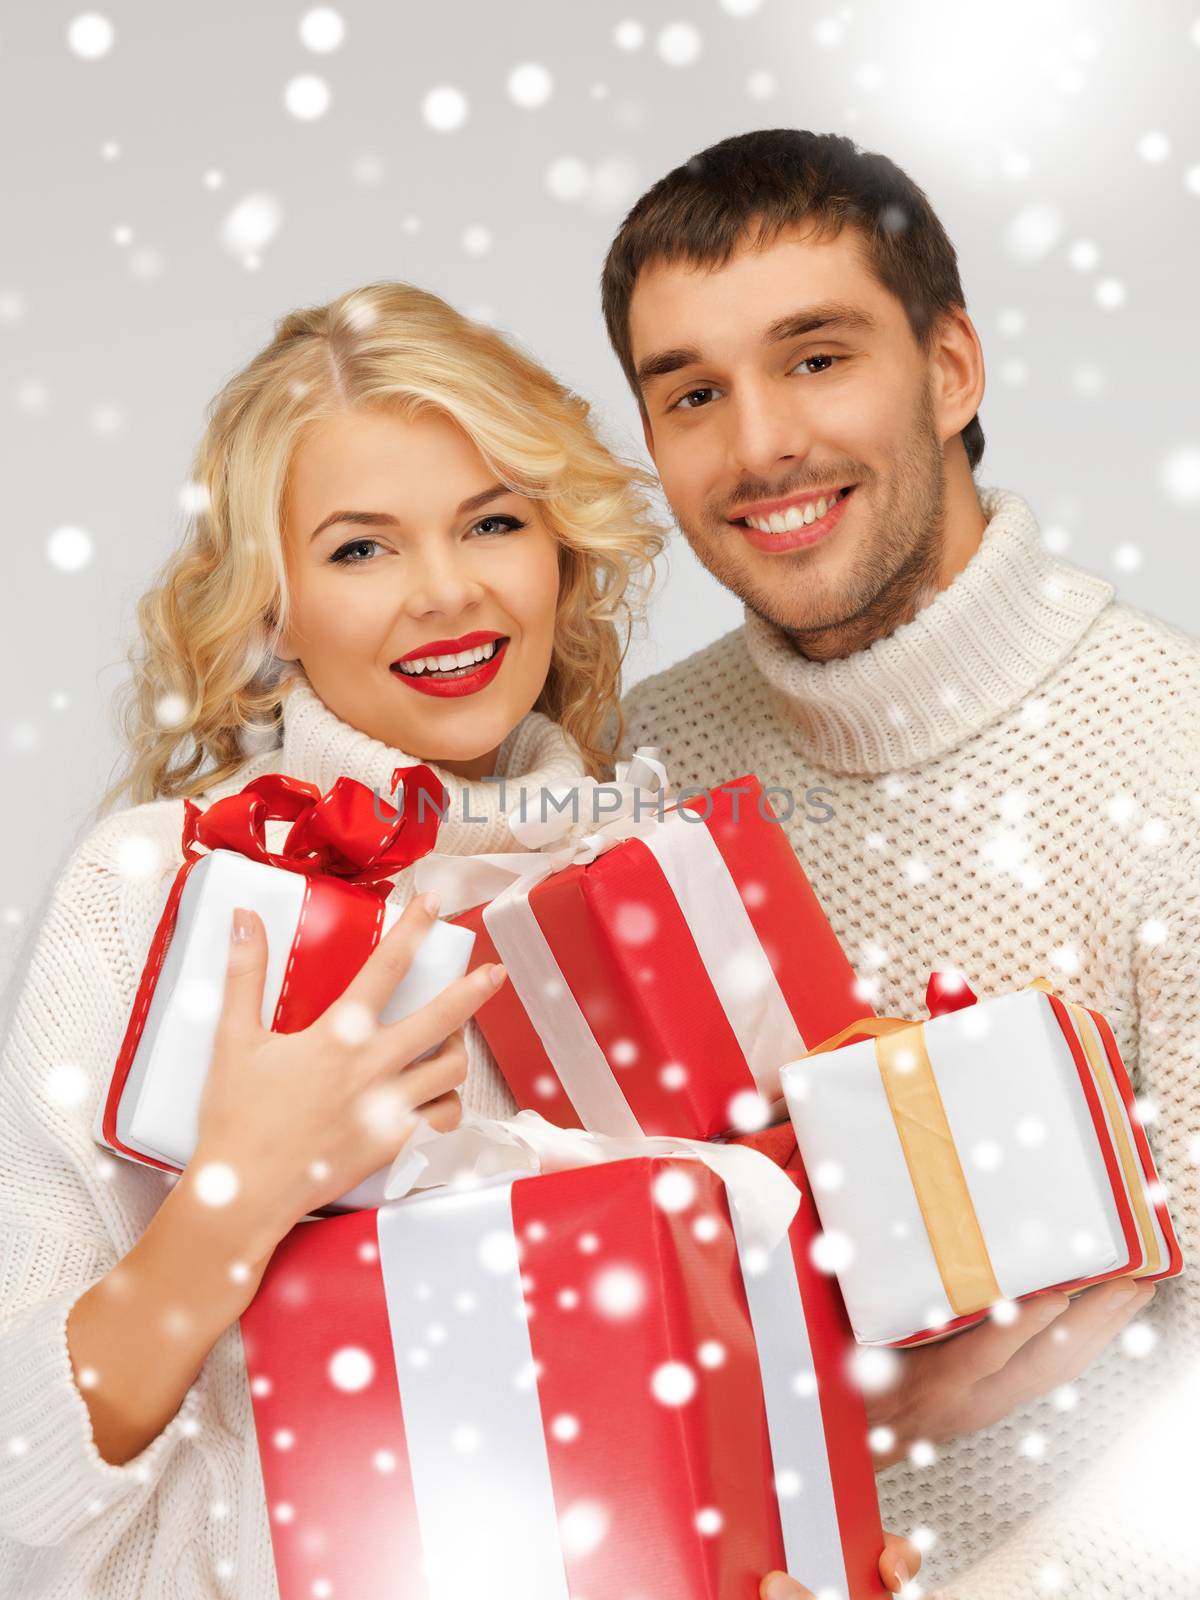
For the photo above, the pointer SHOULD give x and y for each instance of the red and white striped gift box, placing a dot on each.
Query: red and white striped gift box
(584, 1383)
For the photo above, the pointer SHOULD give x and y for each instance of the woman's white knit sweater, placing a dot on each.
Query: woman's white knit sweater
(1014, 778)
(186, 1518)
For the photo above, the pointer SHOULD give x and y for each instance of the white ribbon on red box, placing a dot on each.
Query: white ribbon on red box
(513, 1520)
(709, 901)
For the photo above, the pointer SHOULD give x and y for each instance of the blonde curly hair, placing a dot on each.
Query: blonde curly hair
(205, 676)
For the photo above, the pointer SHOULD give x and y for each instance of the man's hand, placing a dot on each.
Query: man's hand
(974, 1378)
(899, 1562)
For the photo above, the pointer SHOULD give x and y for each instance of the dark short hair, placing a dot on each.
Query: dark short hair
(762, 182)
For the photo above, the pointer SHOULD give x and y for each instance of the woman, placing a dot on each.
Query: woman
(412, 546)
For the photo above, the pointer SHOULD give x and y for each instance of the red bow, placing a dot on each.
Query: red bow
(337, 834)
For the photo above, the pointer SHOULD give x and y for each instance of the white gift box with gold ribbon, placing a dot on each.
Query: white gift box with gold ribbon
(991, 1152)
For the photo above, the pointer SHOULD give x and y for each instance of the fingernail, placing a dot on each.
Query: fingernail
(432, 903)
(902, 1573)
(1123, 1293)
(242, 926)
(780, 1587)
(497, 975)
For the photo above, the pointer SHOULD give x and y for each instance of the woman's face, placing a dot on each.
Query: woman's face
(403, 551)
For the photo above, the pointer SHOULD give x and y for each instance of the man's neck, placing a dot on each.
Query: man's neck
(933, 568)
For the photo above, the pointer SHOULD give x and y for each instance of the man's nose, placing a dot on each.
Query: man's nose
(765, 433)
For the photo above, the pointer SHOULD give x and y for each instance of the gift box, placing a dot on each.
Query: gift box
(583, 1382)
(322, 898)
(660, 971)
(989, 1153)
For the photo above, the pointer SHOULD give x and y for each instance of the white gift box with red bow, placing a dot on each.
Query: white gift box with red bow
(322, 900)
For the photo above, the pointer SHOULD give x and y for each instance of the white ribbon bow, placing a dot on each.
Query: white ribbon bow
(464, 881)
(482, 1149)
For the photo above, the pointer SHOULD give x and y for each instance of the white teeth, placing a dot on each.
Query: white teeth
(451, 663)
(795, 516)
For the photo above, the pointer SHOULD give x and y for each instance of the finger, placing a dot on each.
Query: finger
(443, 1113)
(245, 974)
(376, 980)
(425, 1080)
(899, 1563)
(413, 1035)
(452, 1051)
(980, 1352)
(1062, 1352)
(778, 1586)
(1098, 1314)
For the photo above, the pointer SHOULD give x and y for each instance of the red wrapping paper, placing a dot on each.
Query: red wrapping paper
(647, 995)
(353, 1525)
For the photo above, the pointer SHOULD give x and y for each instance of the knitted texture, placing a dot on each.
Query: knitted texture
(186, 1518)
(1012, 779)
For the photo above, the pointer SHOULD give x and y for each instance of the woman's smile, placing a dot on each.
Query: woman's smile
(453, 666)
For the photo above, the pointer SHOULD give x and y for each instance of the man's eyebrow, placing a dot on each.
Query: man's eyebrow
(830, 314)
(382, 519)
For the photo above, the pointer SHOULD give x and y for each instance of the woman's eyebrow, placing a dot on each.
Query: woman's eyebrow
(382, 519)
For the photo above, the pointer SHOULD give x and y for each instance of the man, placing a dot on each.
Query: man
(1010, 755)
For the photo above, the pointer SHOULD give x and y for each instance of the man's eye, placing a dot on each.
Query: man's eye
(342, 554)
(808, 360)
(685, 401)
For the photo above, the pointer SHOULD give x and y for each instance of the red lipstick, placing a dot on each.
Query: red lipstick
(457, 681)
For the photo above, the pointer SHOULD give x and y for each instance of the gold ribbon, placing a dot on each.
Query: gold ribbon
(934, 1168)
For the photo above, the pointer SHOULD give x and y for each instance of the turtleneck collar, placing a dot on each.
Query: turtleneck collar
(976, 650)
(318, 747)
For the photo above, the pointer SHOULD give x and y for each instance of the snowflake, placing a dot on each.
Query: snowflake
(530, 85)
(831, 1251)
(69, 549)
(322, 30)
(91, 36)
(679, 44)
(307, 97)
(444, 108)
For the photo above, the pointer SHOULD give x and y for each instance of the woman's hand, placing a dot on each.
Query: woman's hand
(900, 1562)
(302, 1117)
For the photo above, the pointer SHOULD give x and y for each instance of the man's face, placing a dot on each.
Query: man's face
(755, 419)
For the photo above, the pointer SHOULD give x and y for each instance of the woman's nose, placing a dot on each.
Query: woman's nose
(440, 584)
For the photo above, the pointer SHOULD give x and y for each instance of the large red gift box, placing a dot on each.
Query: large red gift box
(578, 1383)
(660, 987)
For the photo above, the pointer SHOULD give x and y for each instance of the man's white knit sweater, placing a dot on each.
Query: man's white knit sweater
(187, 1518)
(1014, 779)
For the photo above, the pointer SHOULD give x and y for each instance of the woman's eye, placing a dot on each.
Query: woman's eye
(685, 401)
(808, 360)
(343, 553)
(494, 525)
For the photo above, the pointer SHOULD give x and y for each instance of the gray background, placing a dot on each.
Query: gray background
(1060, 144)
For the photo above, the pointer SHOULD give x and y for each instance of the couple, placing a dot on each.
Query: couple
(414, 546)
